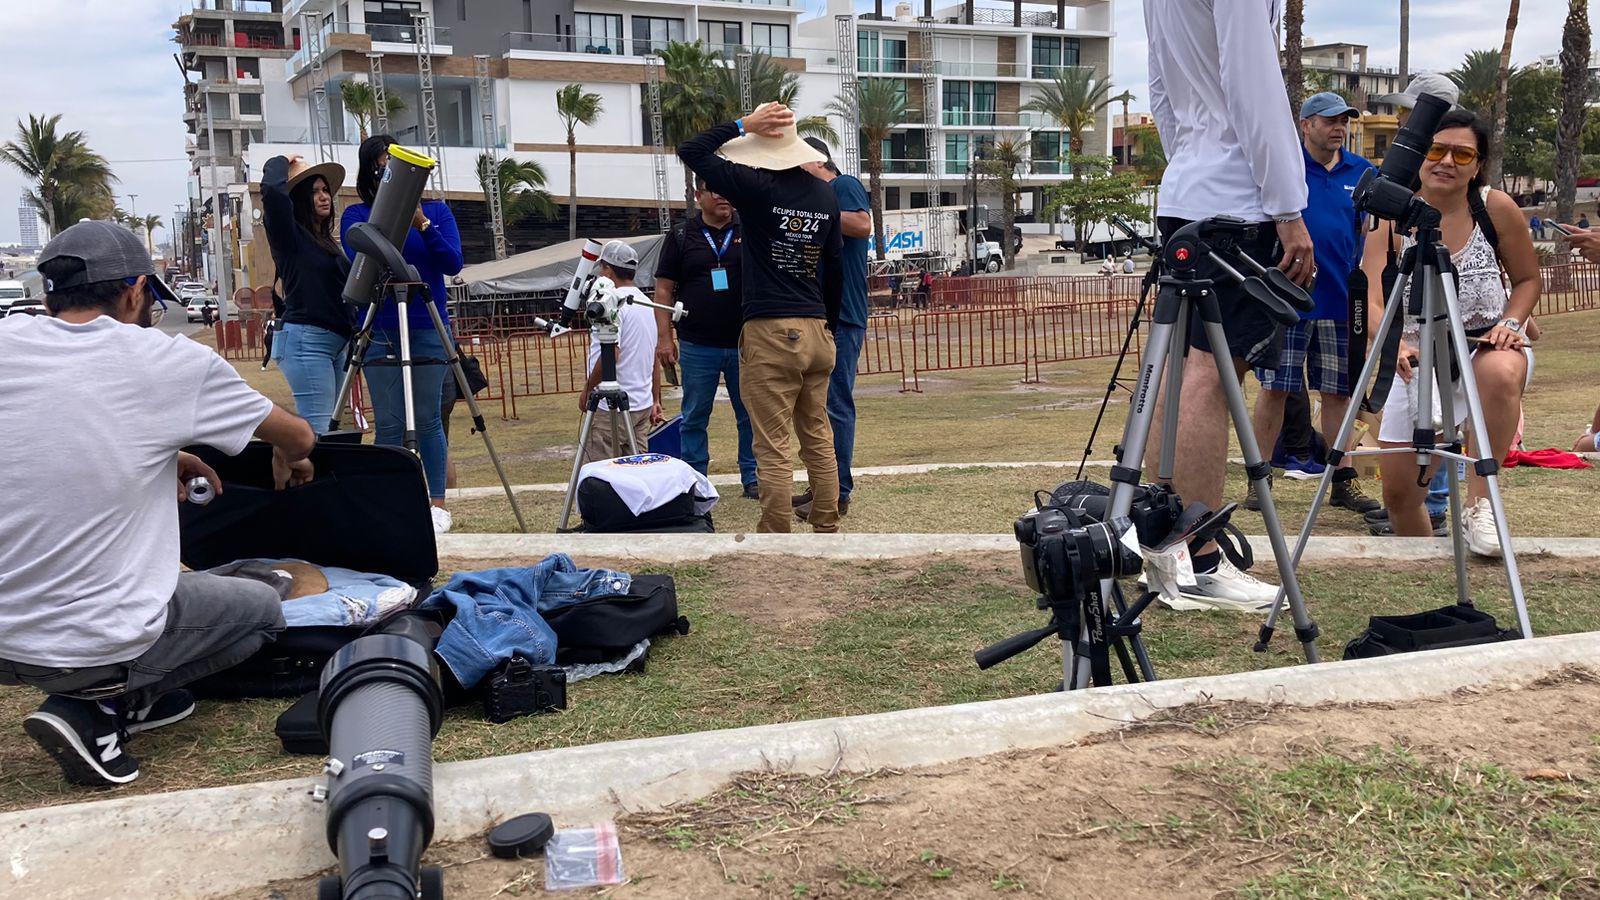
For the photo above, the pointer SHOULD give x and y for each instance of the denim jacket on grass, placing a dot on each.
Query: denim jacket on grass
(498, 612)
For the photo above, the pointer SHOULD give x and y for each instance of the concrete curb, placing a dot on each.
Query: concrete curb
(676, 548)
(252, 834)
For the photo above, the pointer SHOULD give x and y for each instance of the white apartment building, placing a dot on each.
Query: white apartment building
(989, 60)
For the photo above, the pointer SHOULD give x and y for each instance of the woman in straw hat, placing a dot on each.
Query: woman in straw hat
(297, 211)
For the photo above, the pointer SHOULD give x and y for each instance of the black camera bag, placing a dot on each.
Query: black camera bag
(1449, 626)
(602, 629)
(604, 511)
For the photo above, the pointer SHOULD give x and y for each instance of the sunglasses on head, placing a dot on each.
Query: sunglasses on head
(158, 306)
(1461, 156)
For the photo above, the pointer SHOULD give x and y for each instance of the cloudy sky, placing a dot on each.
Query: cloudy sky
(106, 66)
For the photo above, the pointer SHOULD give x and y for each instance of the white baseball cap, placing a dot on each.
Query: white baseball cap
(620, 255)
(1424, 83)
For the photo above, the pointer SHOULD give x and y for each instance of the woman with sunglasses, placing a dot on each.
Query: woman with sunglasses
(1494, 316)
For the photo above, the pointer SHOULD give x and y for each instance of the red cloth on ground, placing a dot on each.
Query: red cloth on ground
(1548, 458)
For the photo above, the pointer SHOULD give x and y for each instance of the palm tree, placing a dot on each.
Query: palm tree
(150, 223)
(1125, 98)
(70, 181)
(879, 109)
(1574, 107)
(1001, 163)
(1477, 77)
(1502, 92)
(1294, 79)
(689, 102)
(361, 101)
(1405, 41)
(768, 82)
(575, 107)
(1152, 158)
(1073, 100)
(522, 188)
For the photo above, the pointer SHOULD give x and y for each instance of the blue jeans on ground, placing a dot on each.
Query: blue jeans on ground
(700, 369)
(427, 385)
(312, 359)
(499, 612)
(847, 340)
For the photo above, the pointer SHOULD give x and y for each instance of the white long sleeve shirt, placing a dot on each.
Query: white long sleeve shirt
(1222, 111)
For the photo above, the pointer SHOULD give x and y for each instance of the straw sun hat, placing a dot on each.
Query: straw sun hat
(759, 151)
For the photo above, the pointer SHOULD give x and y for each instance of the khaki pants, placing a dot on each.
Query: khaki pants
(599, 444)
(784, 366)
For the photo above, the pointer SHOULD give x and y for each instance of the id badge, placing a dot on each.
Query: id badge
(719, 279)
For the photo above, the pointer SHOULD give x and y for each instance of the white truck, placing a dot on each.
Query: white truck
(907, 238)
(12, 293)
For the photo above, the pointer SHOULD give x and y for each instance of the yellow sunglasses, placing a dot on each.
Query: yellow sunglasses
(1461, 156)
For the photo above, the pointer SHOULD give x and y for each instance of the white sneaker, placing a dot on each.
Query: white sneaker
(1477, 526)
(1227, 589)
(441, 520)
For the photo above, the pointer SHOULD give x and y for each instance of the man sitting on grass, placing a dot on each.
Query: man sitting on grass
(97, 406)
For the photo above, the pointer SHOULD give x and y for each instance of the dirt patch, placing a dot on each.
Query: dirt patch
(1164, 811)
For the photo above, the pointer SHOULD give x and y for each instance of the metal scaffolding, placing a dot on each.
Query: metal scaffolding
(430, 113)
(652, 75)
(849, 95)
(490, 161)
(380, 99)
(933, 138)
(742, 61)
(321, 126)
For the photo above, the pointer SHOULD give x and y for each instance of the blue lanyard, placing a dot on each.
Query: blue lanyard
(727, 240)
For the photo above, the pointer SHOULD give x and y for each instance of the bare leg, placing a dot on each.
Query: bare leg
(1589, 442)
(1500, 374)
(1401, 495)
(1333, 409)
(1268, 419)
(1201, 467)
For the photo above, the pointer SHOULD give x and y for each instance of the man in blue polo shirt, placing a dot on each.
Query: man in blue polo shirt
(1315, 352)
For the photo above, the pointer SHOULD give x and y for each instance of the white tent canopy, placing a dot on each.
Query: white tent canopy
(549, 268)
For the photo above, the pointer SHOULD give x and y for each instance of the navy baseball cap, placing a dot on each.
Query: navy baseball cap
(1327, 104)
(107, 252)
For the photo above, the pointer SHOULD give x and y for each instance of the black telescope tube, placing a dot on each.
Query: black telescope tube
(1403, 160)
(399, 193)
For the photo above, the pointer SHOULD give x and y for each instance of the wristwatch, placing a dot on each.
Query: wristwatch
(1511, 325)
(1284, 220)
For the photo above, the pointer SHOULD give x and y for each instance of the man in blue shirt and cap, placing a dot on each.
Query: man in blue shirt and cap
(1315, 352)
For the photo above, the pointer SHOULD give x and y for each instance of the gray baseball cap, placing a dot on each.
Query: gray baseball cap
(1424, 83)
(108, 253)
(620, 255)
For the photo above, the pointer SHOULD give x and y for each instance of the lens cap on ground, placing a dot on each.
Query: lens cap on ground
(522, 836)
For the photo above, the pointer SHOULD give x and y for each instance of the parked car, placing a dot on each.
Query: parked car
(12, 293)
(32, 306)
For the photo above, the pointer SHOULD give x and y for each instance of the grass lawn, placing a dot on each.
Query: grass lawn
(821, 639)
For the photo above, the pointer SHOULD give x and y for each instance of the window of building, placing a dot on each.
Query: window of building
(249, 104)
(919, 200)
(391, 12)
(1047, 150)
(957, 106)
(955, 153)
(774, 39)
(724, 37)
(880, 53)
(597, 33)
(651, 34)
(983, 99)
(1052, 53)
(891, 198)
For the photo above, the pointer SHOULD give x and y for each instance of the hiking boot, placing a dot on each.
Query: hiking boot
(752, 492)
(173, 706)
(799, 500)
(1347, 494)
(1252, 501)
(1225, 588)
(85, 740)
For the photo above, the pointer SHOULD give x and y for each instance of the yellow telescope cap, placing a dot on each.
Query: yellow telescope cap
(414, 157)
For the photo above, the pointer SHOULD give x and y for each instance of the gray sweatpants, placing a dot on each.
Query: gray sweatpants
(213, 623)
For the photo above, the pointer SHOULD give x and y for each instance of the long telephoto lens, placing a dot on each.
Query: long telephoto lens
(1403, 160)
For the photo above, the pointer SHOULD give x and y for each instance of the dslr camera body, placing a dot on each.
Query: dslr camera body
(1068, 545)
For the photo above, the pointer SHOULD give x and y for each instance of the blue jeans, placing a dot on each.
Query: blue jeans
(847, 340)
(1439, 488)
(499, 612)
(427, 385)
(701, 368)
(312, 359)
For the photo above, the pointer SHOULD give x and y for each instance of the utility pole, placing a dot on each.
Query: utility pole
(221, 268)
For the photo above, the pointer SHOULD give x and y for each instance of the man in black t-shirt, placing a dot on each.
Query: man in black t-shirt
(793, 277)
(701, 266)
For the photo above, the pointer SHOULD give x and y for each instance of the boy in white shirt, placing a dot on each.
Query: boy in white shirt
(637, 369)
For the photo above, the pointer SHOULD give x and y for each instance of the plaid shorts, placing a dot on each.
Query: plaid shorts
(1315, 353)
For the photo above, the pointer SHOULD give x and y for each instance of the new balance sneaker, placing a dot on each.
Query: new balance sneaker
(173, 706)
(1477, 526)
(1303, 469)
(441, 520)
(85, 740)
(1348, 495)
(1226, 588)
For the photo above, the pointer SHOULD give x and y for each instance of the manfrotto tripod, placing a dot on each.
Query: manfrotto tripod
(1442, 336)
(1190, 257)
(401, 279)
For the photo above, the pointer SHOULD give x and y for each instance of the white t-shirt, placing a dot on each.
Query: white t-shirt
(92, 417)
(636, 352)
(646, 481)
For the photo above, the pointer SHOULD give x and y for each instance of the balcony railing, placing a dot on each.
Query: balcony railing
(901, 166)
(963, 69)
(622, 47)
(259, 41)
(976, 118)
(988, 15)
(383, 32)
(243, 6)
(892, 65)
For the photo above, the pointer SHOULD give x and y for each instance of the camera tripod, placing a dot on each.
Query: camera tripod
(1186, 289)
(1435, 311)
(356, 362)
(1152, 278)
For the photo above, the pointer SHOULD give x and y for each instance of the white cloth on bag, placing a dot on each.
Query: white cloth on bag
(647, 481)
(93, 417)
